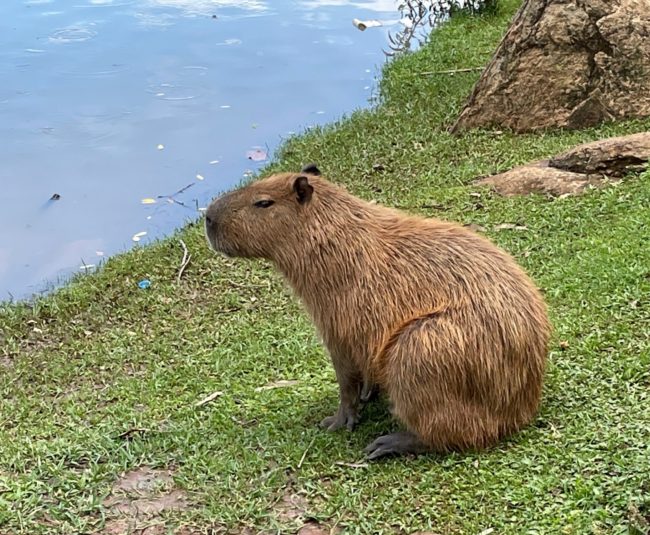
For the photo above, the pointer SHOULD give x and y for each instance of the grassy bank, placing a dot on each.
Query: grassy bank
(102, 378)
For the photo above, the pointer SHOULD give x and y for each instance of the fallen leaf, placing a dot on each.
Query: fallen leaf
(564, 345)
(208, 399)
(256, 154)
(510, 226)
(282, 383)
(148, 200)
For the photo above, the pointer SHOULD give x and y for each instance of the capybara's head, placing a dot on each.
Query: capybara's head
(254, 221)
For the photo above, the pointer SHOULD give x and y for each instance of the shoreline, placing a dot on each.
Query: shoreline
(211, 381)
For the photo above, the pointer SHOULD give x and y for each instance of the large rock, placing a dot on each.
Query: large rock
(589, 165)
(566, 63)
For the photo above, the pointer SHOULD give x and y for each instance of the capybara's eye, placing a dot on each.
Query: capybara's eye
(208, 220)
(264, 204)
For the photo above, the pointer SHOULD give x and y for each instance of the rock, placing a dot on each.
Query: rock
(570, 173)
(538, 178)
(614, 157)
(566, 63)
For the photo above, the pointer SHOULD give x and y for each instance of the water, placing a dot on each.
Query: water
(108, 102)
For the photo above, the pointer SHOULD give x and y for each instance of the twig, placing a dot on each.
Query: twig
(183, 189)
(351, 465)
(302, 459)
(451, 71)
(208, 399)
(186, 260)
(171, 197)
(129, 433)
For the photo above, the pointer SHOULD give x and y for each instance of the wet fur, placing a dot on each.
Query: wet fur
(446, 323)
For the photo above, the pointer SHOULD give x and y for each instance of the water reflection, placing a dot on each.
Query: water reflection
(208, 7)
(114, 101)
(382, 6)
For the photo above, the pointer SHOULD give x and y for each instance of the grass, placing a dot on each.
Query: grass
(100, 357)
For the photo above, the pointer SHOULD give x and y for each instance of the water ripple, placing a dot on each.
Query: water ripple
(72, 34)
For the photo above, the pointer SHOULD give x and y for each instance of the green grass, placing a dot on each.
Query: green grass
(100, 357)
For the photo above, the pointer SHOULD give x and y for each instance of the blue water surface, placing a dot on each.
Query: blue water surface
(107, 103)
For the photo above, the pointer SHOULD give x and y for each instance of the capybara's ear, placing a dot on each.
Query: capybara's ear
(311, 169)
(303, 189)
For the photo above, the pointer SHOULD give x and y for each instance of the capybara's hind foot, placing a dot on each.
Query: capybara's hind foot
(395, 444)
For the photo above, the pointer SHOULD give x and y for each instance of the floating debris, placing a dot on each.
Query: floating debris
(160, 146)
(136, 237)
(99, 253)
(213, 162)
(200, 177)
(225, 106)
(363, 24)
(229, 42)
(256, 154)
(148, 200)
(144, 284)
(86, 267)
(55, 197)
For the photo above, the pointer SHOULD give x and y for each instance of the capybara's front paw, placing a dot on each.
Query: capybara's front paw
(344, 417)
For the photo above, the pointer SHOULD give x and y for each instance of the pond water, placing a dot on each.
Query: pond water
(105, 105)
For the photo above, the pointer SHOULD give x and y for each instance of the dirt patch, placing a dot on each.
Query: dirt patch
(6, 362)
(292, 509)
(314, 528)
(570, 173)
(138, 499)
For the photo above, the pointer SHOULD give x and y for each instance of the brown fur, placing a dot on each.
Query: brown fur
(446, 323)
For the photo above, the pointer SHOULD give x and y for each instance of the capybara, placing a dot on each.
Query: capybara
(441, 320)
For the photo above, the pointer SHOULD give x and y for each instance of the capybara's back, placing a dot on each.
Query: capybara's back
(446, 323)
